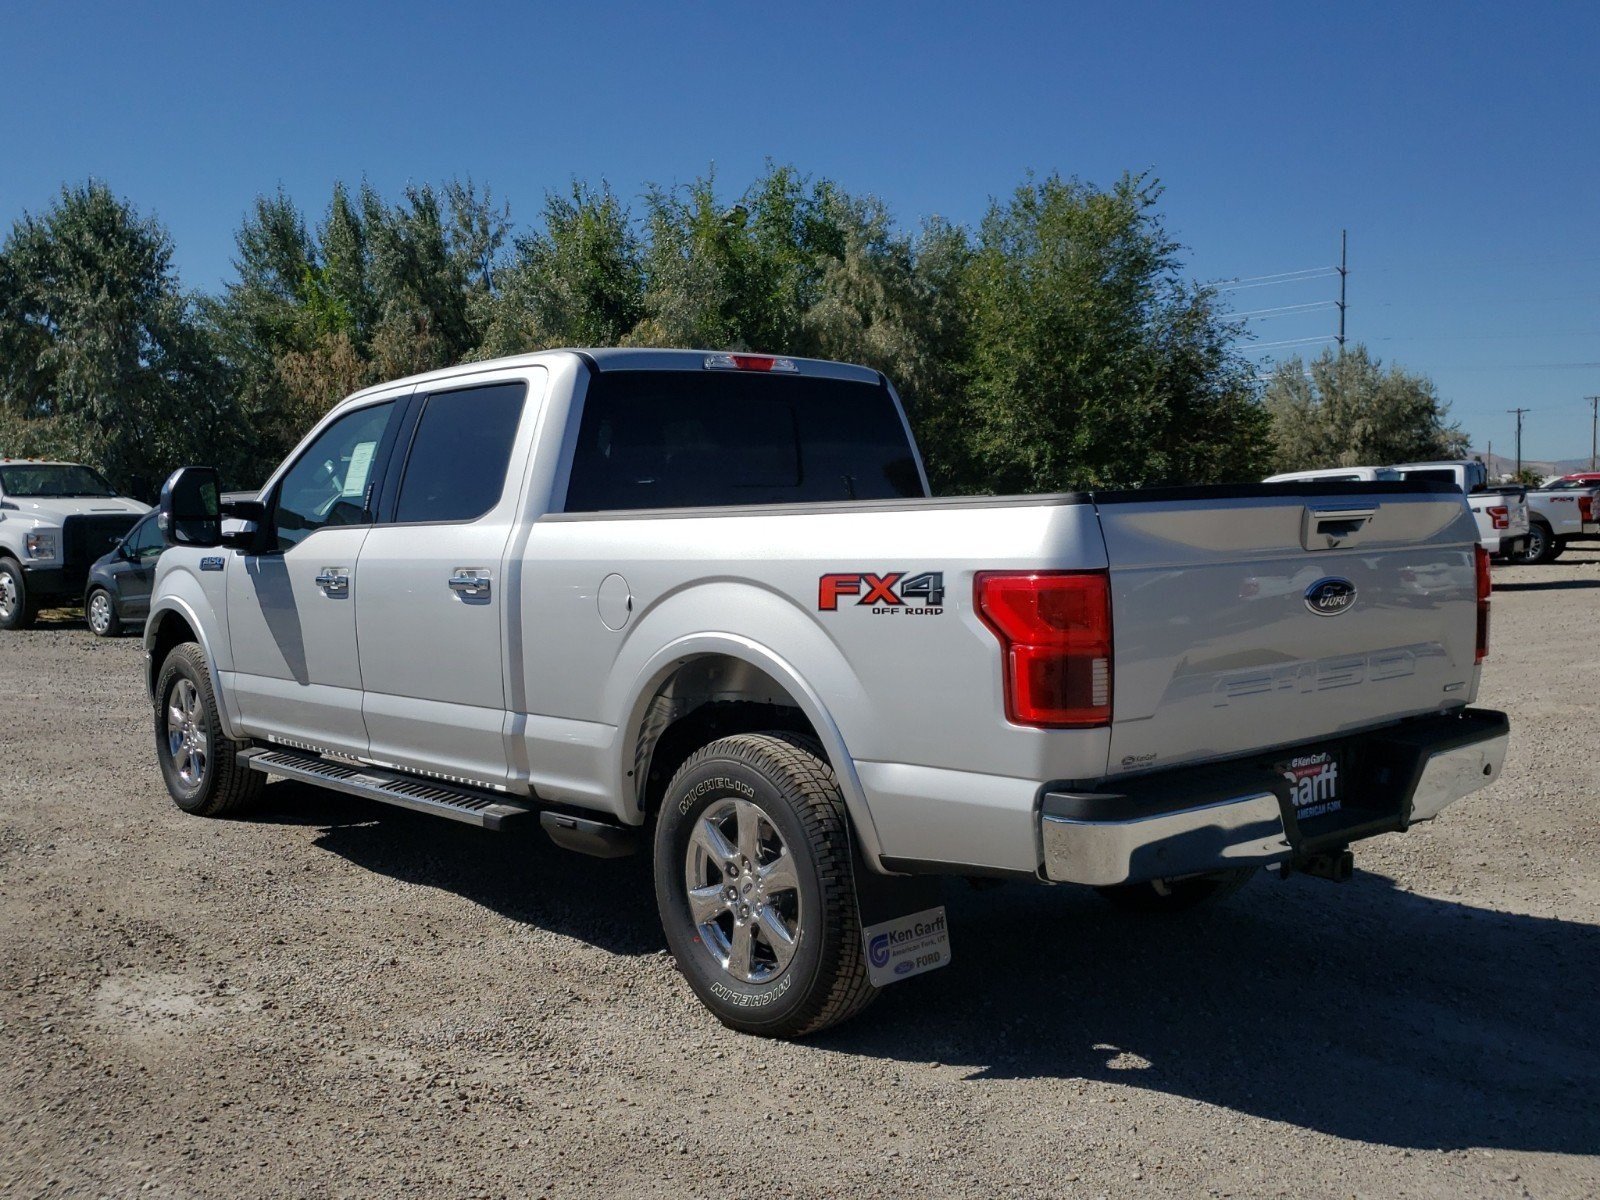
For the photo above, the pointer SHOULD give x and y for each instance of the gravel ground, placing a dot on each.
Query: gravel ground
(336, 998)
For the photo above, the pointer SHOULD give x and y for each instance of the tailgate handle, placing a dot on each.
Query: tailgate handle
(1330, 528)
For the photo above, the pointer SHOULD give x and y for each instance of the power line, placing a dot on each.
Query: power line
(1239, 287)
(1482, 337)
(1283, 308)
(1302, 341)
(1313, 272)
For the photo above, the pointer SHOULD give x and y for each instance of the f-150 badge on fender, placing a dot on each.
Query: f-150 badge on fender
(885, 593)
(1330, 597)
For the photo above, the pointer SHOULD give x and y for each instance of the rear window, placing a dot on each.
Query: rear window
(1438, 474)
(660, 439)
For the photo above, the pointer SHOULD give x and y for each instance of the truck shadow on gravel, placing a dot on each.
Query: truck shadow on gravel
(1359, 1011)
(520, 875)
(1546, 585)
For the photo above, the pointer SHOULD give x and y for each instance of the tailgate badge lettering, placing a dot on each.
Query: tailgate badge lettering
(1330, 597)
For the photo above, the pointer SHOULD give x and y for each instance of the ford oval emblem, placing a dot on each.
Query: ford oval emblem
(1330, 597)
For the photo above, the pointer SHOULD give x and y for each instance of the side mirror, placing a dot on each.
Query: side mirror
(191, 508)
(253, 513)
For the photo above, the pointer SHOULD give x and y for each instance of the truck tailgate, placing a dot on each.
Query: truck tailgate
(1226, 642)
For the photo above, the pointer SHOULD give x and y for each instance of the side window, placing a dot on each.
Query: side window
(330, 484)
(456, 469)
(146, 543)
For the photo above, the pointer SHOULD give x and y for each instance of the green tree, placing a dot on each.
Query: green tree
(375, 292)
(577, 282)
(102, 358)
(740, 276)
(1092, 361)
(1347, 409)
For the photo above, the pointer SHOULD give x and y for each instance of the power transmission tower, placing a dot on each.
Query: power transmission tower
(1344, 271)
(1519, 412)
(1594, 429)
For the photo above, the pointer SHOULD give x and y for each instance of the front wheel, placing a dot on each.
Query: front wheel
(1177, 895)
(754, 883)
(198, 760)
(16, 609)
(100, 611)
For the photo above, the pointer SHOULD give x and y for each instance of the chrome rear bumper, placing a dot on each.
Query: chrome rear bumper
(1216, 818)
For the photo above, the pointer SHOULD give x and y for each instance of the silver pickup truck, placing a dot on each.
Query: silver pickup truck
(703, 604)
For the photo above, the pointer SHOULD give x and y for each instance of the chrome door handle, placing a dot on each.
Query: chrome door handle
(470, 583)
(333, 581)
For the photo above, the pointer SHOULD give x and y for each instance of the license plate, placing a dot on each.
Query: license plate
(1314, 784)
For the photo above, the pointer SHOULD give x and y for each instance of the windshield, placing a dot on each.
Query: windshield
(53, 479)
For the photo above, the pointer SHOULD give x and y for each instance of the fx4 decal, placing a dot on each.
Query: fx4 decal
(892, 592)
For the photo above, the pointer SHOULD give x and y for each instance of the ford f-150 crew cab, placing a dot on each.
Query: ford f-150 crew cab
(1562, 511)
(56, 519)
(704, 603)
(1501, 512)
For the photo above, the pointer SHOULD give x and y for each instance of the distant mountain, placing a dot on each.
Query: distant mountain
(1499, 464)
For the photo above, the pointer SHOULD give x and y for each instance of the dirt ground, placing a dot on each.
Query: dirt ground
(339, 999)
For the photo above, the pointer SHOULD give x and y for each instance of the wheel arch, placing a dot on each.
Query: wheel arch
(173, 621)
(696, 673)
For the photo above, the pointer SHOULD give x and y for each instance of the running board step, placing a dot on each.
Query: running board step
(485, 809)
(601, 839)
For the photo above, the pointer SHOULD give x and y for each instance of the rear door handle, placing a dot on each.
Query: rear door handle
(474, 583)
(335, 581)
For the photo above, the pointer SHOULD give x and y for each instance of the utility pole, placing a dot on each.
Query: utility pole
(1519, 412)
(1594, 429)
(1344, 271)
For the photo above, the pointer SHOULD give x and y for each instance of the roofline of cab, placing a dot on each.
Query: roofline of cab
(618, 359)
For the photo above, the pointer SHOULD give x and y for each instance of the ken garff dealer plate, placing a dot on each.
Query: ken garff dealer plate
(1330, 597)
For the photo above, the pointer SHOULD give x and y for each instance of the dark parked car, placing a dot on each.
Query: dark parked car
(118, 590)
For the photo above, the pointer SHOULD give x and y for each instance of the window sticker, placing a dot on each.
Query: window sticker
(355, 479)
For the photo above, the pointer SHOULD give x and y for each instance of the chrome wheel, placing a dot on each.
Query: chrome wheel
(187, 740)
(1533, 550)
(8, 596)
(100, 613)
(744, 894)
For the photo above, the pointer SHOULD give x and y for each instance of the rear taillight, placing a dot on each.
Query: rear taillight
(1500, 516)
(1482, 572)
(1586, 508)
(1055, 635)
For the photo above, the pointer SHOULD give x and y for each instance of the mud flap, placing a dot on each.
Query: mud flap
(904, 931)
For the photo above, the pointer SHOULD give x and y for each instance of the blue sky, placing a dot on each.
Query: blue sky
(1457, 142)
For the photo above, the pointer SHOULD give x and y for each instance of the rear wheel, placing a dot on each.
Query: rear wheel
(100, 611)
(1540, 546)
(754, 883)
(198, 760)
(16, 609)
(1177, 895)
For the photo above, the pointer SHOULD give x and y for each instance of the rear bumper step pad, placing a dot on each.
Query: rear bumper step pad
(485, 809)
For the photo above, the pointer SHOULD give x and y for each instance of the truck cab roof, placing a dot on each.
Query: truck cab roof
(603, 359)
